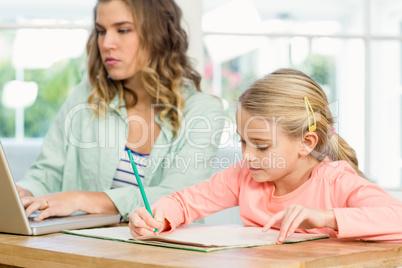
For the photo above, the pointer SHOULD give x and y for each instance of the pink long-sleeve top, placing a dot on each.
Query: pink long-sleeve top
(362, 209)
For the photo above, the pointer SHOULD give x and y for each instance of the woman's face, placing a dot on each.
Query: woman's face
(118, 39)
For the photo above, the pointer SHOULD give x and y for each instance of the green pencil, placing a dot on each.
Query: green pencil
(144, 197)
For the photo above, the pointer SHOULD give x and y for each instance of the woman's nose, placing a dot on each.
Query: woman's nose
(109, 41)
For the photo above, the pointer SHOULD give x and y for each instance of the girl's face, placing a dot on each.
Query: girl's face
(268, 152)
(118, 39)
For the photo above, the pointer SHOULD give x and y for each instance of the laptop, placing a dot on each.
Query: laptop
(14, 220)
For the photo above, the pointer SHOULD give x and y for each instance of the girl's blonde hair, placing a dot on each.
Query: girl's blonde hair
(165, 42)
(281, 96)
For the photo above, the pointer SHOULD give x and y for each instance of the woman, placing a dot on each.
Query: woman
(142, 94)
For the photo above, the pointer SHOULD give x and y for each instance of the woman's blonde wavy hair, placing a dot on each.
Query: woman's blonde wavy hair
(281, 95)
(158, 23)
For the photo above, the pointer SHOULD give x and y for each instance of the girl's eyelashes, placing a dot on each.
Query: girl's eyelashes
(259, 147)
(262, 148)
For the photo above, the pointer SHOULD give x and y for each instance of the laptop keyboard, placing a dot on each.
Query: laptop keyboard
(50, 219)
(45, 220)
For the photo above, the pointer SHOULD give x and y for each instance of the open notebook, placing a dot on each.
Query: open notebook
(199, 237)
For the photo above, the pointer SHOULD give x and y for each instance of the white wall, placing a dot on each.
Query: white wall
(192, 16)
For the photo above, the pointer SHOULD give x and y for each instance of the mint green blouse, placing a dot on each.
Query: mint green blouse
(82, 151)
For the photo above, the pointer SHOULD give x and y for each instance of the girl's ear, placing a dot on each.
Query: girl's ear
(308, 143)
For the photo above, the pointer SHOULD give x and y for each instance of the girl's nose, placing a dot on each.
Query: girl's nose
(246, 156)
(250, 154)
(246, 153)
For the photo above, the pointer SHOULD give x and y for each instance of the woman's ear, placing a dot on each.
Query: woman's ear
(308, 143)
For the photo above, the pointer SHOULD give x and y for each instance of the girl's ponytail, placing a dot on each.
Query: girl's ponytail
(339, 149)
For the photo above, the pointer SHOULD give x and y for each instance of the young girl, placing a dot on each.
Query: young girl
(297, 175)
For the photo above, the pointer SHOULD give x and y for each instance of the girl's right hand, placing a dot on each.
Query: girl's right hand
(141, 222)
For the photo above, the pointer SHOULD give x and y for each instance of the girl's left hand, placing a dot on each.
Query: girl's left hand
(299, 217)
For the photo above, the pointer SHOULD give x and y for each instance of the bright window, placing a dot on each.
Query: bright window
(352, 48)
(42, 58)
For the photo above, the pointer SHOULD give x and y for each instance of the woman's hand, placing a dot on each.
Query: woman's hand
(58, 204)
(299, 217)
(141, 222)
(22, 192)
(67, 203)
